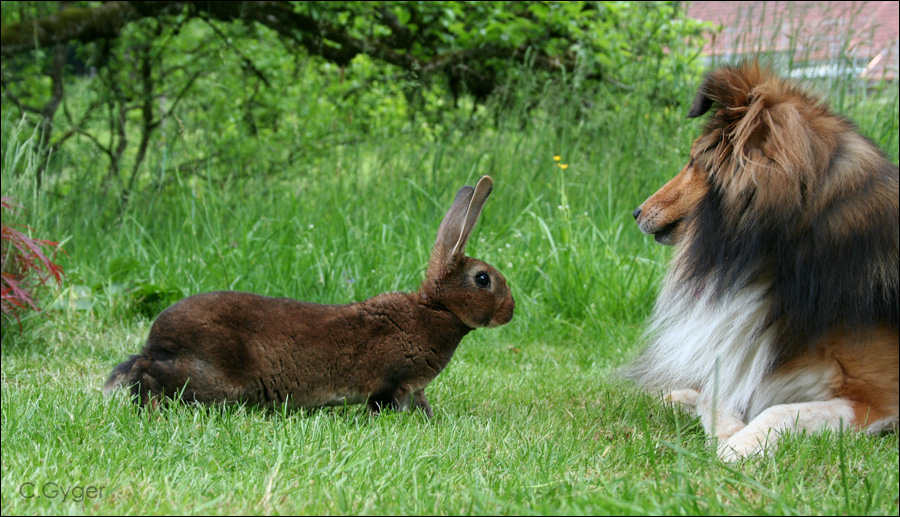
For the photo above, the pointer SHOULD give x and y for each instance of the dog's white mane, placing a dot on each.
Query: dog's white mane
(720, 347)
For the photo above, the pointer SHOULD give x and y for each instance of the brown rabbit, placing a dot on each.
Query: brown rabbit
(229, 346)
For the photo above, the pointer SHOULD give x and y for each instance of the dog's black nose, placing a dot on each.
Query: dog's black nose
(637, 212)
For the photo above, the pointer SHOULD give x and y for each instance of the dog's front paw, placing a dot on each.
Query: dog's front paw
(686, 397)
(741, 445)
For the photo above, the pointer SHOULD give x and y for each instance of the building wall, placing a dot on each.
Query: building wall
(813, 39)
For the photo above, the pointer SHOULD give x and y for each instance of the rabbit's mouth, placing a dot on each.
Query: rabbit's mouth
(503, 315)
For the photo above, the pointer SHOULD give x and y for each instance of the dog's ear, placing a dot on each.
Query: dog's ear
(728, 86)
(768, 141)
(701, 105)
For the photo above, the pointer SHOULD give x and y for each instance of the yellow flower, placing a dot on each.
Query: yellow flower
(563, 166)
(557, 158)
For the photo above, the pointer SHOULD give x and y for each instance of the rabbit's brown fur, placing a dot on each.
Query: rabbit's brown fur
(239, 347)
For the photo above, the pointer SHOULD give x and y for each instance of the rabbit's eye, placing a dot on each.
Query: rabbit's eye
(483, 279)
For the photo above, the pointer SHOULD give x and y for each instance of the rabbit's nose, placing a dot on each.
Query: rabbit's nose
(637, 212)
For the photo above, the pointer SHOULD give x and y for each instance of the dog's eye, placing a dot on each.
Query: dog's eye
(482, 279)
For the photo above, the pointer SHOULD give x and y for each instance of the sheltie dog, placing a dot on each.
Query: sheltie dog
(779, 311)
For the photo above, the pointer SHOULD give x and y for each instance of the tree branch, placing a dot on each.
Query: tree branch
(71, 24)
(247, 62)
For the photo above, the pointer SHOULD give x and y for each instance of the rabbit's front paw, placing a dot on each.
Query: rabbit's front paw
(419, 401)
(402, 400)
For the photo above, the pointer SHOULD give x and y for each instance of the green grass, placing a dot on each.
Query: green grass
(529, 417)
(541, 430)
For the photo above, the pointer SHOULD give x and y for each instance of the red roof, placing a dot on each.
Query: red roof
(809, 32)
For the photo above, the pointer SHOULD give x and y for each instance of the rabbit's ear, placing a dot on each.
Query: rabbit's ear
(459, 221)
(482, 191)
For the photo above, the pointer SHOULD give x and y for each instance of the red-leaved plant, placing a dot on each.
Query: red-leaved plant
(22, 259)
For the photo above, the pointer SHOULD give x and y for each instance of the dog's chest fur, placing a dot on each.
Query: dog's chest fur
(723, 349)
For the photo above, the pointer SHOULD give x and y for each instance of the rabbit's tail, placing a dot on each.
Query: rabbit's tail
(122, 375)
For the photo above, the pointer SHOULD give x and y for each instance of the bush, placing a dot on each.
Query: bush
(22, 261)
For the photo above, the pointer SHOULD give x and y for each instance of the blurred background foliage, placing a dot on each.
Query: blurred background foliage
(266, 86)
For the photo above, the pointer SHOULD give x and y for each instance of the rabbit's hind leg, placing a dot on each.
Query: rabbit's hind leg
(120, 377)
(155, 379)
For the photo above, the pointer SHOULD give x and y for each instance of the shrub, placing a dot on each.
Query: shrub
(22, 261)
